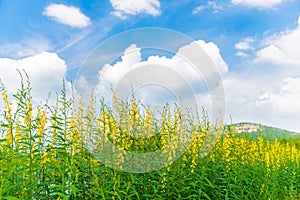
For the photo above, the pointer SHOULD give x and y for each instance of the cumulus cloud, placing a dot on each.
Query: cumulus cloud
(113, 74)
(133, 7)
(68, 15)
(46, 72)
(165, 79)
(282, 48)
(132, 59)
(214, 53)
(257, 3)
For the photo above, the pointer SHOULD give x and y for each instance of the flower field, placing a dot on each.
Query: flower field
(45, 154)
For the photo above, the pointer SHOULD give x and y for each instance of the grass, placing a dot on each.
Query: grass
(45, 153)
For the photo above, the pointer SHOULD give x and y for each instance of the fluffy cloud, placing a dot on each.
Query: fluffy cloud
(281, 104)
(133, 7)
(113, 74)
(283, 100)
(267, 94)
(46, 72)
(132, 59)
(68, 15)
(282, 48)
(257, 3)
(214, 53)
(252, 98)
(168, 78)
(245, 44)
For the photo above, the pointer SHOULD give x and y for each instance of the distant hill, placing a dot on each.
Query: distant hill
(254, 130)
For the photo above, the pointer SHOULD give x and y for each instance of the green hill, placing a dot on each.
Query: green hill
(254, 130)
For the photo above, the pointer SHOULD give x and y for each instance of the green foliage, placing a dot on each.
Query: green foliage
(44, 154)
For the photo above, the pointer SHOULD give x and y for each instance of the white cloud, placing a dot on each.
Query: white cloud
(26, 47)
(119, 14)
(281, 103)
(257, 3)
(283, 100)
(179, 76)
(251, 98)
(244, 47)
(242, 54)
(113, 74)
(210, 5)
(132, 58)
(68, 15)
(133, 7)
(245, 44)
(282, 48)
(214, 53)
(198, 9)
(46, 72)
(268, 94)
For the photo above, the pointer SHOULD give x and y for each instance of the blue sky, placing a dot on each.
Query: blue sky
(256, 40)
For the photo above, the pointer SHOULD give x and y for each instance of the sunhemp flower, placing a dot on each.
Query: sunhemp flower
(5, 96)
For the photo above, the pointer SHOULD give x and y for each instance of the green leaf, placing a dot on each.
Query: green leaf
(11, 198)
(63, 196)
(74, 190)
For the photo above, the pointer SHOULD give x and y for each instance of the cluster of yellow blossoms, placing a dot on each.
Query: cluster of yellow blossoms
(243, 151)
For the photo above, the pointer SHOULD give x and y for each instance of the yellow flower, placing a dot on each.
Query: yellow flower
(133, 109)
(5, 97)
(9, 137)
(148, 117)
